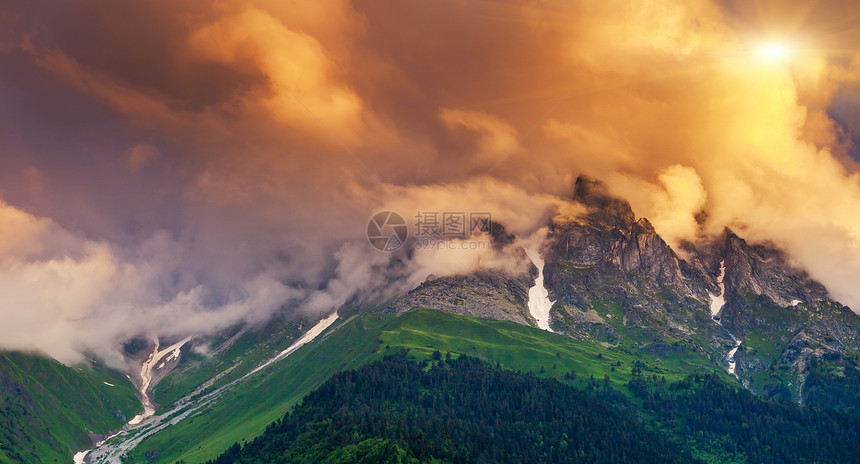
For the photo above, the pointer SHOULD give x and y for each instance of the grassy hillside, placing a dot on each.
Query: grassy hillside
(47, 409)
(244, 412)
(243, 350)
(526, 349)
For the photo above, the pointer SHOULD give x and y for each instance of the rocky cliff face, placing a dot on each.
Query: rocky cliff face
(485, 293)
(615, 280)
(488, 294)
(610, 241)
(787, 323)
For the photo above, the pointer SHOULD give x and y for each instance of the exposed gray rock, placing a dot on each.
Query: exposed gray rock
(487, 294)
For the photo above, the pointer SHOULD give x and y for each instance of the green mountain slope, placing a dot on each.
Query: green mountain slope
(244, 411)
(246, 408)
(48, 410)
(235, 352)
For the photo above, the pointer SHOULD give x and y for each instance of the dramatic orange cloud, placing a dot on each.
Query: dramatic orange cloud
(255, 139)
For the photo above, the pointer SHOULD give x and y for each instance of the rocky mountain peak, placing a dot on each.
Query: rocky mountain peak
(644, 226)
(500, 236)
(602, 206)
(609, 240)
(765, 269)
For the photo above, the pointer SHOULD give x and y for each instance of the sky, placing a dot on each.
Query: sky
(176, 167)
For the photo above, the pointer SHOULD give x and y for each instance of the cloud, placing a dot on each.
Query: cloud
(672, 203)
(201, 163)
(20, 233)
(300, 74)
(495, 137)
(69, 297)
(140, 155)
(360, 269)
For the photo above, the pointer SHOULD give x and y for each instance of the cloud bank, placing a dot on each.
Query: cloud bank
(174, 167)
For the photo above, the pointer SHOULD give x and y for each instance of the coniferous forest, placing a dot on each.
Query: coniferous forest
(465, 411)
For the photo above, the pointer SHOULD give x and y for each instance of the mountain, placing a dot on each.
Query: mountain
(787, 325)
(628, 312)
(614, 280)
(48, 411)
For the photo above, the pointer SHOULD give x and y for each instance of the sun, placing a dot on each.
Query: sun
(774, 51)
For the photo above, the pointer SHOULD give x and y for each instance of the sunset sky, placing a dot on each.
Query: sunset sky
(177, 166)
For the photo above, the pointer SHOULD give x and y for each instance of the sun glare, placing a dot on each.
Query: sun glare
(774, 51)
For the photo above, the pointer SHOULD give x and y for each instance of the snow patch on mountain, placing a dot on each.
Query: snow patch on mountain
(80, 456)
(146, 376)
(719, 300)
(730, 357)
(308, 337)
(539, 302)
